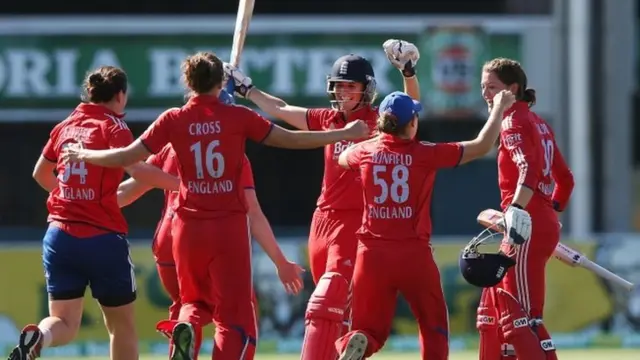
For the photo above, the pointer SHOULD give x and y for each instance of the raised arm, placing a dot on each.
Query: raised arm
(293, 115)
(487, 137)
(404, 56)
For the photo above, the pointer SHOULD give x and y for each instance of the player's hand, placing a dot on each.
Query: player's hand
(517, 225)
(356, 130)
(290, 275)
(72, 152)
(242, 83)
(403, 55)
(504, 100)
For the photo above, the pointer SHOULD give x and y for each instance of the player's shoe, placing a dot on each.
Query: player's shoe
(183, 339)
(356, 347)
(29, 345)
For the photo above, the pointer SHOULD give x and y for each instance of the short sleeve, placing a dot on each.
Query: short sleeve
(49, 151)
(354, 156)
(158, 133)
(443, 155)
(314, 119)
(256, 127)
(160, 158)
(118, 133)
(246, 178)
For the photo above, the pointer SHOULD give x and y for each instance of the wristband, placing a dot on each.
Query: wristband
(517, 206)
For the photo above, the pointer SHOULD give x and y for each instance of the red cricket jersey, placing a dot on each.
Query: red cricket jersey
(166, 160)
(397, 178)
(85, 202)
(208, 138)
(340, 187)
(528, 155)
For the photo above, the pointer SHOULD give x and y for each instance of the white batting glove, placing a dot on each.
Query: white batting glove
(403, 55)
(242, 84)
(517, 225)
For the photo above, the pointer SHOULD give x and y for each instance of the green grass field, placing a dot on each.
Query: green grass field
(591, 354)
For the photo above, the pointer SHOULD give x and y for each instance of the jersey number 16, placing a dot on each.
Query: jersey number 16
(210, 157)
(399, 187)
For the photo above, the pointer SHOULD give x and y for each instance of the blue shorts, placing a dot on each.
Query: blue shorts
(101, 262)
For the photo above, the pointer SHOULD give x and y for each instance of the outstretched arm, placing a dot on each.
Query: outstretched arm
(131, 190)
(288, 272)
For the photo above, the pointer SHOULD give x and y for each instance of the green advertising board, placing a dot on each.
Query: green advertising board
(41, 71)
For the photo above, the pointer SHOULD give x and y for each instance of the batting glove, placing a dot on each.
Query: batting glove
(517, 225)
(242, 84)
(403, 55)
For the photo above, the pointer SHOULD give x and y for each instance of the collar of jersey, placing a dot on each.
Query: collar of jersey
(518, 106)
(96, 109)
(390, 139)
(202, 99)
(360, 114)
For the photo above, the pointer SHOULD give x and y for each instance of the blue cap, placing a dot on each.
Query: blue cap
(401, 105)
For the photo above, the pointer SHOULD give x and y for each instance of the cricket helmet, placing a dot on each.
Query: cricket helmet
(352, 68)
(484, 269)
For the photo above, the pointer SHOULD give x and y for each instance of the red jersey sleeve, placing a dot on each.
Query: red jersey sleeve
(521, 150)
(160, 158)
(443, 155)
(315, 118)
(246, 178)
(49, 151)
(117, 133)
(354, 156)
(563, 178)
(159, 133)
(257, 128)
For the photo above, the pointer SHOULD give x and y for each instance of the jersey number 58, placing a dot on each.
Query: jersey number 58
(399, 187)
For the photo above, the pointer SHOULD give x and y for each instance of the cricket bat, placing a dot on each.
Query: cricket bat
(243, 19)
(494, 219)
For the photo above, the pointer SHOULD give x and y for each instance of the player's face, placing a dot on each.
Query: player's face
(491, 85)
(349, 94)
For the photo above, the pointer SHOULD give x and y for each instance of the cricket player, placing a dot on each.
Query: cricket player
(394, 255)
(351, 87)
(130, 190)
(209, 228)
(529, 162)
(85, 243)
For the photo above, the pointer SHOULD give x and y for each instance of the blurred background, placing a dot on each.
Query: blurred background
(580, 56)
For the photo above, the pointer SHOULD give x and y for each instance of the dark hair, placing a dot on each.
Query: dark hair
(104, 83)
(511, 72)
(388, 124)
(202, 72)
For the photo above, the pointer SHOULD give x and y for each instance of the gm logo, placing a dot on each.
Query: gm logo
(522, 322)
(488, 320)
(547, 345)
